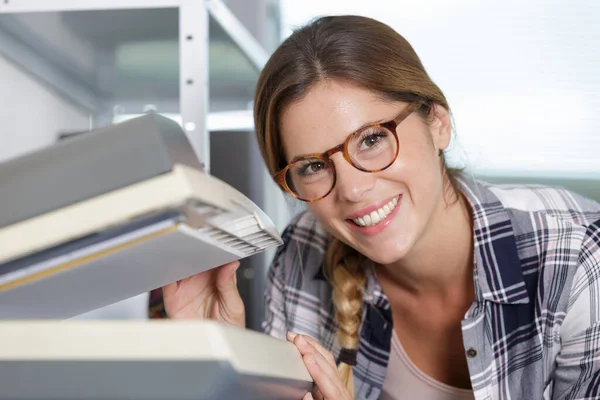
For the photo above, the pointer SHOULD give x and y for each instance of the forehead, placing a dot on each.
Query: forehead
(328, 113)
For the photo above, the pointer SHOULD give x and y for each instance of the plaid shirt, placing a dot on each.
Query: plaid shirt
(533, 331)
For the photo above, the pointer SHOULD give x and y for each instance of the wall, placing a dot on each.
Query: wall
(521, 79)
(31, 115)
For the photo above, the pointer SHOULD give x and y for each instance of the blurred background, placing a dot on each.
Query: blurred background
(521, 79)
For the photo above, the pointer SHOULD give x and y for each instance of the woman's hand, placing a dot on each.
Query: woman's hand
(321, 367)
(211, 294)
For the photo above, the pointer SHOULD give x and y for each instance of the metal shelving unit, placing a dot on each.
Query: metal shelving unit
(87, 52)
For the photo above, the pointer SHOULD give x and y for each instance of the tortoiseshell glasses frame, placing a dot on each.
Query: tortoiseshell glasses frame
(280, 177)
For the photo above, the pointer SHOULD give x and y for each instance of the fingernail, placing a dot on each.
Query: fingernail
(291, 335)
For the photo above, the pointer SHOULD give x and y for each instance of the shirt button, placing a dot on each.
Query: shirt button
(471, 353)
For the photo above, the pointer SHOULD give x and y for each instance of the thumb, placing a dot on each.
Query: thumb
(231, 304)
(168, 293)
(226, 277)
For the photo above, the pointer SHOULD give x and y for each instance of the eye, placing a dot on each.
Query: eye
(371, 139)
(308, 168)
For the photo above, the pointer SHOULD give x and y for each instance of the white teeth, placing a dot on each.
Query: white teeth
(377, 216)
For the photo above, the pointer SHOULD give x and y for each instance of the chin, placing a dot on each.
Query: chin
(387, 253)
(386, 259)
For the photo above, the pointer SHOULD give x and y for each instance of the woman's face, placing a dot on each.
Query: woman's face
(409, 193)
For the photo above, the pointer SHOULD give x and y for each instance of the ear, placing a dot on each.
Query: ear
(440, 126)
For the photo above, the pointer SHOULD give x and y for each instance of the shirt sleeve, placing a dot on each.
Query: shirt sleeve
(275, 322)
(577, 374)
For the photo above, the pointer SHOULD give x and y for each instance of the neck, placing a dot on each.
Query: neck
(441, 263)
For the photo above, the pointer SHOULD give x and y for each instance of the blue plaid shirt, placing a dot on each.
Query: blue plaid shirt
(535, 321)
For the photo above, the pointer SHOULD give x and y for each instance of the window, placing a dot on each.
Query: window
(521, 77)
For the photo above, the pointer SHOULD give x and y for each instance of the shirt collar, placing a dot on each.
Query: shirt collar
(498, 269)
(374, 294)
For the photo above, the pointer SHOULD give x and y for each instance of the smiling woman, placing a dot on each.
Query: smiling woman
(344, 82)
(404, 278)
(413, 253)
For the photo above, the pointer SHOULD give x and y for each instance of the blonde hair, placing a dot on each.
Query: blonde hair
(370, 55)
(344, 269)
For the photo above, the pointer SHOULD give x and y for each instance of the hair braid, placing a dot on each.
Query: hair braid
(344, 270)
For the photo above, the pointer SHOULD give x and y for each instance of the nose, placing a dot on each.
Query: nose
(351, 184)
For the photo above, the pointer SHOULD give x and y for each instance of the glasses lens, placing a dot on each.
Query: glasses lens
(373, 149)
(310, 178)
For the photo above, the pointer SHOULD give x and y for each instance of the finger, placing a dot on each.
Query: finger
(168, 296)
(308, 396)
(230, 299)
(328, 381)
(226, 283)
(169, 290)
(225, 279)
(197, 282)
(324, 352)
(316, 393)
(289, 336)
(308, 350)
(324, 374)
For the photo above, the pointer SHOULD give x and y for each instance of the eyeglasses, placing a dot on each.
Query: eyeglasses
(371, 149)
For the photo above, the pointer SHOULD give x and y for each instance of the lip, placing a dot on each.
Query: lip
(374, 230)
(372, 207)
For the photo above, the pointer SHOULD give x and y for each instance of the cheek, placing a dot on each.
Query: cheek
(325, 211)
(322, 210)
(419, 169)
(417, 151)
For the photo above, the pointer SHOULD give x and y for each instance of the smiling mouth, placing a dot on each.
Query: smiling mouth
(377, 216)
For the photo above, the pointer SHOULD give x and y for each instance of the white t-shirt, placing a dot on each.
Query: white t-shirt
(405, 381)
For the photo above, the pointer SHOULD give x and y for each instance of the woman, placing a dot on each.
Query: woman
(418, 281)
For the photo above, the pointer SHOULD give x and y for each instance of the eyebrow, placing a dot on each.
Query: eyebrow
(363, 126)
(367, 124)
